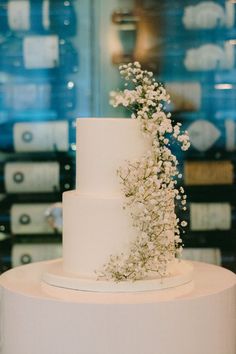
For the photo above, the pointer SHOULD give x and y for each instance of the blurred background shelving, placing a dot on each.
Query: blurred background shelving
(59, 60)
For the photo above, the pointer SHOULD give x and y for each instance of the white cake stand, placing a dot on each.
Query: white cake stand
(196, 318)
(179, 273)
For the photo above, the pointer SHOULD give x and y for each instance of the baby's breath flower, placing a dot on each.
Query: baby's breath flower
(149, 183)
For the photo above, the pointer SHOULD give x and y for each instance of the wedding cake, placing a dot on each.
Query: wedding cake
(120, 230)
(95, 223)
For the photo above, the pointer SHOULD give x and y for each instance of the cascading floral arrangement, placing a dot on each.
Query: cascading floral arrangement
(150, 185)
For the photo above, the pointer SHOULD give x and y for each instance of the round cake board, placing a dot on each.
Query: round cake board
(180, 272)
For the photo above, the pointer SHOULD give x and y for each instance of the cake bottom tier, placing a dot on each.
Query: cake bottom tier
(93, 229)
(198, 318)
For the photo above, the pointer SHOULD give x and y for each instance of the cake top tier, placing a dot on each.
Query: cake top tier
(103, 145)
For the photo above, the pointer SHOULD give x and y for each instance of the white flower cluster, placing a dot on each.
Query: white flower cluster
(150, 184)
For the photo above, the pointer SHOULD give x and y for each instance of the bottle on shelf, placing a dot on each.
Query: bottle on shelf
(209, 173)
(192, 58)
(17, 177)
(35, 54)
(38, 16)
(45, 136)
(34, 251)
(192, 96)
(31, 219)
(209, 137)
(39, 93)
(206, 217)
(223, 256)
(207, 255)
(200, 17)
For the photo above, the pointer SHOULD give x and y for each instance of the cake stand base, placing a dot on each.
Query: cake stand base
(38, 318)
(180, 273)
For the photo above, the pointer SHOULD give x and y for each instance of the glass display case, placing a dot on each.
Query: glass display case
(59, 61)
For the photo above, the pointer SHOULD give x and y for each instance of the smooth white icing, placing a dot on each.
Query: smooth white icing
(103, 145)
(94, 222)
(93, 229)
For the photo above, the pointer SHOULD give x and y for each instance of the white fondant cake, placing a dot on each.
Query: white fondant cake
(95, 224)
